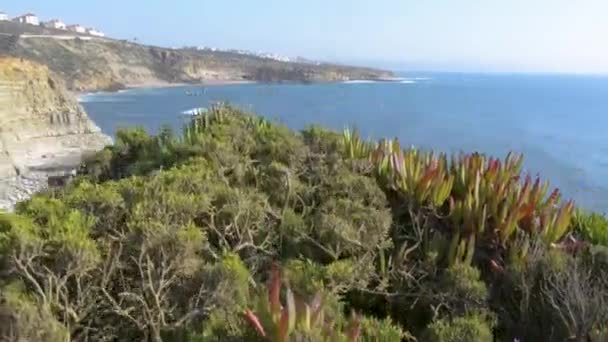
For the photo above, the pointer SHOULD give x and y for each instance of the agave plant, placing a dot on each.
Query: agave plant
(488, 201)
(421, 177)
(295, 319)
(491, 201)
(354, 146)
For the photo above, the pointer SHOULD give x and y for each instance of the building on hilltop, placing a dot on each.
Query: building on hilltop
(94, 32)
(55, 24)
(28, 18)
(77, 28)
(3, 16)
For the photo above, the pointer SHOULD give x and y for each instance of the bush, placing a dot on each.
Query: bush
(463, 289)
(376, 330)
(23, 319)
(591, 227)
(553, 295)
(162, 237)
(473, 328)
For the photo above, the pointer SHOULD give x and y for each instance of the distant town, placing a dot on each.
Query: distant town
(260, 54)
(57, 24)
(32, 19)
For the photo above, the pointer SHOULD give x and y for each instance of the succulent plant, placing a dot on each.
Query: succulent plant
(486, 199)
(354, 146)
(421, 177)
(296, 319)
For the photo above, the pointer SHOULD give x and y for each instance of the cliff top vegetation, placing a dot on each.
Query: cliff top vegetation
(239, 229)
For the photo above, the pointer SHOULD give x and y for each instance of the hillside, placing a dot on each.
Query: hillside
(101, 64)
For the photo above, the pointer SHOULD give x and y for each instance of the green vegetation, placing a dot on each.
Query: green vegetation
(240, 229)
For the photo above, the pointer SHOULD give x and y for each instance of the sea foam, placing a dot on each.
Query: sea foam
(358, 81)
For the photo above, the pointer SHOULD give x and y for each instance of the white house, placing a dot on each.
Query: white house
(3, 16)
(94, 32)
(55, 24)
(77, 28)
(28, 18)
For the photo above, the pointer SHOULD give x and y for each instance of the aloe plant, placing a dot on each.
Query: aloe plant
(354, 146)
(282, 322)
(487, 199)
(490, 195)
(421, 177)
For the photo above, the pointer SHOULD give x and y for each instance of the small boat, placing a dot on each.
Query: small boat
(196, 93)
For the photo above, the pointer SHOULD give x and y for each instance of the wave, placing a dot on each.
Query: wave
(83, 97)
(97, 97)
(414, 79)
(194, 111)
(403, 80)
(88, 97)
(358, 81)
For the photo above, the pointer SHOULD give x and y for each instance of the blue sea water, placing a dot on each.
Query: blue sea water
(559, 122)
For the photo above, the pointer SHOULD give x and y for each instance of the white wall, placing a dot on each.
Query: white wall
(58, 25)
(78, 29)
(55, 24)
(32, 20)
(96, 33)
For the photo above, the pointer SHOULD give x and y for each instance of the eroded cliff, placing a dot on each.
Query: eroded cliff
(105, 64)
(43, 129)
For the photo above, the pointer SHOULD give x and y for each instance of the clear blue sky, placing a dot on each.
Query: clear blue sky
(456, 35)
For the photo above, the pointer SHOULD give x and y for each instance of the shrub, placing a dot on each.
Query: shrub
(382, 330)
(162, 237)
(321, 140)
(23, 319)
(551, 295)
(464, 290)
(300, 320)
(591, 227)
(472, 328)
(439, 294)
(233, 279)
(578, 299)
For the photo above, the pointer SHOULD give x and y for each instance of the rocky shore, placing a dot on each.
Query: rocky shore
(44, 132)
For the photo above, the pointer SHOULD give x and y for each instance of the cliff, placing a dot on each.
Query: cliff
(104, 64)
(43, 129)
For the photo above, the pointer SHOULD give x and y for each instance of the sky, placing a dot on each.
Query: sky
(566, 36)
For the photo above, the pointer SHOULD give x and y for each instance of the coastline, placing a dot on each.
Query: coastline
(224, 82)
(161, 84)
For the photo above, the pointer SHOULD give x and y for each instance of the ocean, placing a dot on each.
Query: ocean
(559, 122)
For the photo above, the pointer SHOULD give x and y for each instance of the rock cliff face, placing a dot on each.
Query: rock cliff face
(43, 129)
(104, 64)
